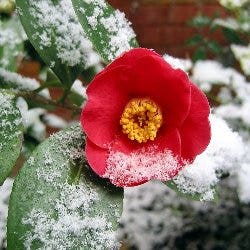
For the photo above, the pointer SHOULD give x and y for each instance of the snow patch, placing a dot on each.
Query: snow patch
(221, 157)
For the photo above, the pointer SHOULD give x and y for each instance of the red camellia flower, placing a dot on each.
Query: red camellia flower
(143, 120)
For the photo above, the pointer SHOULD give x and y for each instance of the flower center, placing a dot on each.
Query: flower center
(141, 119)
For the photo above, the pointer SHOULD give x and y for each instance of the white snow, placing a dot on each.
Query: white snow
(244, 183)
(79, 89)
(20, 82)
(233, 3)
(31, 119)
(54, 121)
(178, 63)
(242, 54)
(5, 191)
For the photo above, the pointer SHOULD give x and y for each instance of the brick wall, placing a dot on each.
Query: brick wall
(162, 24)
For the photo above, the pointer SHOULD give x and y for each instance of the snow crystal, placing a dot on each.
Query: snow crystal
(73, 48)
(5, 191)
(141, 165)
(177, 63)
(222, 156)
(23, 83)
(115, 23)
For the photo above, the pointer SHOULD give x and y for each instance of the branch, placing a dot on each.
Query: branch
(42, 100)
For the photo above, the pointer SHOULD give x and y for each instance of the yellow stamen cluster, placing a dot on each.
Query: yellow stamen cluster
(141, 120)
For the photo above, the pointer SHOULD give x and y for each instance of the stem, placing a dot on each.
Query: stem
(42, 100)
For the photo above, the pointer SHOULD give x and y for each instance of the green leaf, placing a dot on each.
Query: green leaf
(10, 134)
(200, 54)
(108, 29)
(200, 21)
(55, 33)
(57, 202)
(214, 47)
(11, 44)
(193, 196)
(232, 36)
(195, 40)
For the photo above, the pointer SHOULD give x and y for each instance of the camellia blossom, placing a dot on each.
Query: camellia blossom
(143, 120)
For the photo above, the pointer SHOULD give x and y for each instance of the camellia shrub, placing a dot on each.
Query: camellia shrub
(142, 119)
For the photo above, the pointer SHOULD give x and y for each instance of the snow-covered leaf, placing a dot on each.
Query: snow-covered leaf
(242, 54)
(54, 31)
(107, 28)
(12, 80)
(11, 42)
(193, 196)
(10, 134)
(56, 204)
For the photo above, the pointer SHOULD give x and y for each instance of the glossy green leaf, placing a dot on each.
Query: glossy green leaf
(10, 134)
(53, 29)
(107, 28)
(57, 202)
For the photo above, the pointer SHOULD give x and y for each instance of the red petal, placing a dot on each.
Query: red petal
(96, 157)
(107, 99)
(195, 132)
(170, 88)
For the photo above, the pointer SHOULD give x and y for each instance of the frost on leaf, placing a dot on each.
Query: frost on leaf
(63, 212)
